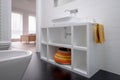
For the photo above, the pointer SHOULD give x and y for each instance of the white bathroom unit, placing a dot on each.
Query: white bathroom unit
(86, 56)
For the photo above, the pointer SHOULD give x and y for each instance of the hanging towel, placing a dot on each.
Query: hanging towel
(99, 33)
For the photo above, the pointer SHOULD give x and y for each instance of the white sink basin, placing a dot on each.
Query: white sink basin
(67, 19)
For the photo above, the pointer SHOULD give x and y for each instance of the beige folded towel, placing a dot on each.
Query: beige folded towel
(99, 33)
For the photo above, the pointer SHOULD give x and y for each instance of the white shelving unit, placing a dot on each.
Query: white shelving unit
(86, 56)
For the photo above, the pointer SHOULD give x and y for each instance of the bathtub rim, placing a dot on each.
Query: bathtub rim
(28, 53)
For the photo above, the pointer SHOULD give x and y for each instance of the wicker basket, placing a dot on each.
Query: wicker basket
(63, 57)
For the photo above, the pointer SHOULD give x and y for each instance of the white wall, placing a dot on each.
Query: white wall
(5, 20)
(39, 23)
(28, 5)
(23, 8)
(105, 12)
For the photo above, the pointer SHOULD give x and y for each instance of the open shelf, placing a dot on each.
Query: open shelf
(52, 50)
(60, 45)
(80, 71)
(80, 48)
(60, 35)
(80, 36)
(53, 62)
(80, 61)
(44, 51)
(44, 35)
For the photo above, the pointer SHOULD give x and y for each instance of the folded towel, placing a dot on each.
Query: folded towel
(99, 33)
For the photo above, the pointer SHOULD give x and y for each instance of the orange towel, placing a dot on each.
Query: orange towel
(99, 33)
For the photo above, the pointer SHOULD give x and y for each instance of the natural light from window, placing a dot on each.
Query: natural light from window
(17, 25)
(32, 24)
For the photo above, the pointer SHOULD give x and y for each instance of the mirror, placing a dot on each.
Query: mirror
(61, 2)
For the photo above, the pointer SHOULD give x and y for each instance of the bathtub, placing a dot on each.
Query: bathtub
(13, 64)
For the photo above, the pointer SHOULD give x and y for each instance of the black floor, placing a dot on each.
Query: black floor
(41, 70)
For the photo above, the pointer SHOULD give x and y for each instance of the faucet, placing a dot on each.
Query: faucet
(73, 11)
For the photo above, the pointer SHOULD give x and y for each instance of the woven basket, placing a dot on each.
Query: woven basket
(63, 57)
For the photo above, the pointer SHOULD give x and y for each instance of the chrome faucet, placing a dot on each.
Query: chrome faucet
(73, 11)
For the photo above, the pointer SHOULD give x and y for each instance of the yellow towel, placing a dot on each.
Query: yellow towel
(99, 33)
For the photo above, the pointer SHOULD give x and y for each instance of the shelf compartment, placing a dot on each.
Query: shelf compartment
(44, 35)
(44, 51)
(80, 61)
(80, 36)
(52, 50)
(60, 35)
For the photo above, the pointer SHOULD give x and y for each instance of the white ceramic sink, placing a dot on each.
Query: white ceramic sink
(67, 19)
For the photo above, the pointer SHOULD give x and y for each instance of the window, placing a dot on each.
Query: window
(17, 25)
(32, 24)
